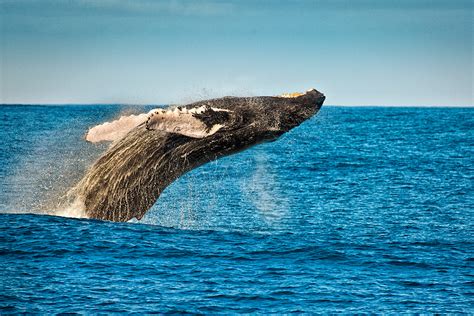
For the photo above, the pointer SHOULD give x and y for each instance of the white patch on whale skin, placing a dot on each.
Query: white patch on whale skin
(182, 121)
(115, 130)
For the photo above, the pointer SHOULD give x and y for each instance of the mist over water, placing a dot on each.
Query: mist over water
(357, 210)
(46, 154)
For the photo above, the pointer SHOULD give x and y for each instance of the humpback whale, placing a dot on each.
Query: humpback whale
(151, 150)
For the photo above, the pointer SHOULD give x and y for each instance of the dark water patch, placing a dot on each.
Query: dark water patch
(416, 284)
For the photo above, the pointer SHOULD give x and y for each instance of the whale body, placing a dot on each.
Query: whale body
(151, 150)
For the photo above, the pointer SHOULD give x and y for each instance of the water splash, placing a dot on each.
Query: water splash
(74, 209)
(262, 190)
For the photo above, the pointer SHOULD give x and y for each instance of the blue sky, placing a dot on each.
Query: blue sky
(358, 52)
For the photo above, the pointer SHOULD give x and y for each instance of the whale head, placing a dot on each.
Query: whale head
(290, 110)
(257, 118)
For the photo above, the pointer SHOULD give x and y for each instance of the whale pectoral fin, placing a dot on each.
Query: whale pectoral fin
(196, 123)
(115, 130)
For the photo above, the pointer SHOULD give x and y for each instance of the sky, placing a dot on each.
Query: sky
(357, 52)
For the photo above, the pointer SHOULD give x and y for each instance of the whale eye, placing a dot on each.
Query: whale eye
(197, 122)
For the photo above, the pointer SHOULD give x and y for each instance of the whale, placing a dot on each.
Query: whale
(149, 151)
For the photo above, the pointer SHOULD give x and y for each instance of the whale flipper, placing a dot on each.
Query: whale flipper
(198, 122)
(115, 130)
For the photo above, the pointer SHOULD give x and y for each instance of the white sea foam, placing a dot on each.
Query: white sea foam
(75, 209)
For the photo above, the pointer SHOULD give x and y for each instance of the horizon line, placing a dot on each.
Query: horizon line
(167, 104)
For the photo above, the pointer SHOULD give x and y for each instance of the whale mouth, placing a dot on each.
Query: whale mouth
(295, 94)
(290, 95)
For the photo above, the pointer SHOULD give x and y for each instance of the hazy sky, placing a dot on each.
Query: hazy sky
(358, 52)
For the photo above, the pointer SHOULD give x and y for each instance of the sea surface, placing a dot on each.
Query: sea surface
(360, 209)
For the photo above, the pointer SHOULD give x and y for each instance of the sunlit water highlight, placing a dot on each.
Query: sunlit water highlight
(357, 210)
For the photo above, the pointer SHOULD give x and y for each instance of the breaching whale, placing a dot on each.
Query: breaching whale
(151, 150)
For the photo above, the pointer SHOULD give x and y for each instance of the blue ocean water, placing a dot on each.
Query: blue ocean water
(357, 210)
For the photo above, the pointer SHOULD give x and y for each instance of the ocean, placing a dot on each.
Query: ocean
(358, 210)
